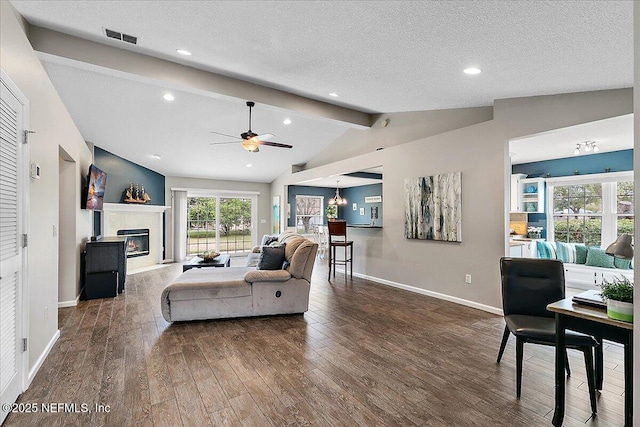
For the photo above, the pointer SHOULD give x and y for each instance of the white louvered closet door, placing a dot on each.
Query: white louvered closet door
(11, 261)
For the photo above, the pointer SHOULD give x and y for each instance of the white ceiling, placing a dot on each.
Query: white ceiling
(378, 56)
(612, 134)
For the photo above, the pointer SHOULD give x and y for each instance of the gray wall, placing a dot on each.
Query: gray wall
(480, 153)
(54, 130)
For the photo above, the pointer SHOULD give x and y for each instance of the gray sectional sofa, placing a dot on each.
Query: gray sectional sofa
(215, 293)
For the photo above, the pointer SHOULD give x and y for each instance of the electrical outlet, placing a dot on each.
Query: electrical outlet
(467, 278)
(46, 313)
(263, 221)
(55, 231)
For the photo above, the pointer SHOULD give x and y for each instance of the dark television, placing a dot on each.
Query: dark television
(95, 190)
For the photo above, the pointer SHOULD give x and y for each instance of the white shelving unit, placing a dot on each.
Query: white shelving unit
(532, 195)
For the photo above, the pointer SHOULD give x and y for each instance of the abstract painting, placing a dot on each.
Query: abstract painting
(275, 215)
(433, 207)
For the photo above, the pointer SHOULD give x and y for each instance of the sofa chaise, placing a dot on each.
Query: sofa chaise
(216, 293)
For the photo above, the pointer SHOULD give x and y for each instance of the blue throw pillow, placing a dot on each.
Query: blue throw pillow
(546, 250)
(597, 257)
(622, 264)
(581, 253)
(566, 252)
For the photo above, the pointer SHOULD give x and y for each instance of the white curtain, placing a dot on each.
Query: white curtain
(179, 209)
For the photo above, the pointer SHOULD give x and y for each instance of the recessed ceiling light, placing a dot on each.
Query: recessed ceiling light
(183, 52)
(335, 95)
(287, 121)
(168, 97)
(249, 165)
(156, 156)
(472, 70)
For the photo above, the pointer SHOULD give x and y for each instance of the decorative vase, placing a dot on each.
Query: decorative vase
(619, 310)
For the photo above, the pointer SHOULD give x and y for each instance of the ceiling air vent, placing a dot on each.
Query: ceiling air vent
(120, 36)
(129, 39)
(113, 34)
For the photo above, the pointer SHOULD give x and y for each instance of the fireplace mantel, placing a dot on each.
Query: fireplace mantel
(126, 207)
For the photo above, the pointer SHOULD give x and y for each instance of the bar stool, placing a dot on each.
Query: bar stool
(339, 229)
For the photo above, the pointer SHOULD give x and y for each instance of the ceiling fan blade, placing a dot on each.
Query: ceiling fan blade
(275, 144)
(224, 134)
(225, 142)
(265, 136)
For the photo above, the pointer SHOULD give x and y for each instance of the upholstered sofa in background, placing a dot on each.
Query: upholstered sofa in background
(585, 267)
(215, 293)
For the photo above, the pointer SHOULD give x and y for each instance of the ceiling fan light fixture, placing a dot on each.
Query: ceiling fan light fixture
(250, 145)
(168, 97)
(287, 121)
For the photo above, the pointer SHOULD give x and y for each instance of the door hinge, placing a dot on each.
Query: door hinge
(24, 344)
(25, 136)
(25, 240)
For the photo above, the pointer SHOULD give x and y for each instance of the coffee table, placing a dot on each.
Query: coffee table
(197, 262)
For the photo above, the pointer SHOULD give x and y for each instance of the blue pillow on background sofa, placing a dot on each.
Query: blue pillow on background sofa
(622, 264)
(581, 253)
(546, 250)
(566, 252)
(597, 257)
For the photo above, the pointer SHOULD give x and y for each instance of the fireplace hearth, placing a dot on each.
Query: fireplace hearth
(137, 243)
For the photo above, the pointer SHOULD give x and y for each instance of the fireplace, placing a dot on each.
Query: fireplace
(137, 243)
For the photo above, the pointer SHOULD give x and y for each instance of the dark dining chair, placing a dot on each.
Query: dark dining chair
(528, 286)
(338, 238)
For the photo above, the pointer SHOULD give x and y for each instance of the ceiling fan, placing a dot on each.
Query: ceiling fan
(250, 140)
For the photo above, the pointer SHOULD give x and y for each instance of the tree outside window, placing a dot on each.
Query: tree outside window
(308, 213)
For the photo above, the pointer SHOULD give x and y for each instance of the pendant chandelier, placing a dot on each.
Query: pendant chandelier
(337, 200)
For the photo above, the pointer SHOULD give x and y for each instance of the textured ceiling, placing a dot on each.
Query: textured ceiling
(378, 56)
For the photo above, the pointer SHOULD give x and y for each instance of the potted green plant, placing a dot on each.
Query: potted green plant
(618, 293)
(332, 212)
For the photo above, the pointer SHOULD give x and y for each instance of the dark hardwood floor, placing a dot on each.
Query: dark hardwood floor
(364, 354)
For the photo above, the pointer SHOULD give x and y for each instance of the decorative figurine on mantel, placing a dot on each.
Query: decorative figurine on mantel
(135, 194)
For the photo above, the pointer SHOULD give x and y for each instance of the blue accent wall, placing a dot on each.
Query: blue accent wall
(121, 172)
(357, 195)
(614, 161)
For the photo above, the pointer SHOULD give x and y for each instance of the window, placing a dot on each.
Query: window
(221, 224)
(308, 213)
(577, 213)
(590, 209)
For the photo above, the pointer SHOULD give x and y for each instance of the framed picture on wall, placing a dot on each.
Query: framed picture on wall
(275, 215)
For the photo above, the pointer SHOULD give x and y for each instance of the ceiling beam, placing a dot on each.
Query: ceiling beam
(89, 52)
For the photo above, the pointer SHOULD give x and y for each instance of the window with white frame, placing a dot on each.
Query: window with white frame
(590, 209)
(308, 213)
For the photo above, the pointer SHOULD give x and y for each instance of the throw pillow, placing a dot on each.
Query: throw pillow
(581, 253)
(566, 252)
(597, 257)
(546, 250)
(271, 258)
(267, 239)
(622, 264)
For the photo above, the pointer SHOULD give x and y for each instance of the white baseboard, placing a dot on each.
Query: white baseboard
(472, 304)
(64, 304)
(36, 367)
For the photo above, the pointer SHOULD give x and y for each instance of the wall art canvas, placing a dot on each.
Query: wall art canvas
(275, 215)
(433, 207)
